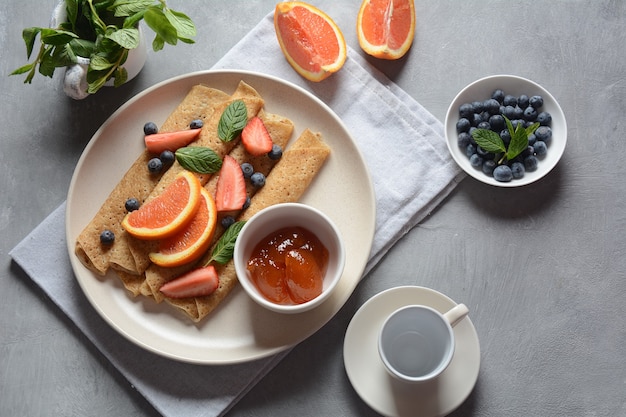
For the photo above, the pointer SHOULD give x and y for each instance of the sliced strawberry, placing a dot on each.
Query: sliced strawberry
(170, 141)
(230, 193)
(196, 283)
(255, 137)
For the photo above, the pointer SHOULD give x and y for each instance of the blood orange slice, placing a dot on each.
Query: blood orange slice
(386, 28)
(167, 213)
(311, 41)
(192, 240)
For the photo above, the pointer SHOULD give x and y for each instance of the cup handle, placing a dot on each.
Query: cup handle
(456, 314)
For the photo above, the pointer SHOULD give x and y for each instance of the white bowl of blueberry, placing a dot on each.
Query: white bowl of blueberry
(505, 130)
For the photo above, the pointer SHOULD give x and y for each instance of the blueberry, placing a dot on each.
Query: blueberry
(155, 165)
(488, 166)
(463, 125)
(491, 106)
(510, 100)
(531, 139)
(167, 157)
(276, 152)
(466, 110)
(530, 150)
(523, 101)
(503, 173)
(476, 119)
(227, 221)
(476, 161)
(530, 163)
(257, 179)
(530, 113)
(483, 153)
(543, 133)
(247, 169)
(470, 150)
(150, 128)
(540, 148)
(536, 101)
(518, 113)
(544, 118)
(464, 140)
(107, 237)
(131, 204)
(478, 106)
(517, 170)
(505, 135)
(497, 122)
(246, 204)
(484, 125)
(517, 122)
(509, 112)
(498, 95)
(196, 124)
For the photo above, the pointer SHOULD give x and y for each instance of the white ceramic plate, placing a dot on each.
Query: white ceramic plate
(387, 395)
(238, 330)
(481, 90)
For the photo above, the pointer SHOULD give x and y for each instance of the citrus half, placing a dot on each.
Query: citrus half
(167, 213)
(193, 240)
(386, 28)
(310, 40)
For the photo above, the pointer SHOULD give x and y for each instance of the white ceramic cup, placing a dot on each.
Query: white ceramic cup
(416, 343)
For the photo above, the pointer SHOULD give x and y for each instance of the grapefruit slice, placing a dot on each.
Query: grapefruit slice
(167, 213)
(310, 40)
(191, 241)
(386, 28)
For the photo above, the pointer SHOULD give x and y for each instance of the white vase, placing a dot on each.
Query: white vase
(75, 76)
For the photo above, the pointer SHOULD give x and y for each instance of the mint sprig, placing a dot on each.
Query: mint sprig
(103, 31)
(232, 121)
(223, 251)
(198, 159)
(490, 141)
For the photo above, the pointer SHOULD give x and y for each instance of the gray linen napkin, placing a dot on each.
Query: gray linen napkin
(412, 172)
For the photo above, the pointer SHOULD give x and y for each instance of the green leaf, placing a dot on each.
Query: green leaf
(489, 140)
(519, 141)
(82, 47)
(199, 159)
(72, 11)
(156, 20)
(232, 121)
(184, 26)
(30, 35)
(126, 38)
(120, 76)
(56, 36)
(46, 63)
(531, 129)
(157, 43)
(124, 8)
(99, 63)
(64, 56)
(24, 69)
(225, 247)
(96, 84)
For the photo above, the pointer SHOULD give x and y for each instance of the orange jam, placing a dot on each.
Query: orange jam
(288, 265)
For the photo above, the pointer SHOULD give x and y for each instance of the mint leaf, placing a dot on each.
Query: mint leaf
(225, 247)
(124, 8)
(199, 159)
(56, 37)
(156, 20)
(184, 26)
(232, 121)
(29, 35)
(489, 140)
(127, 38)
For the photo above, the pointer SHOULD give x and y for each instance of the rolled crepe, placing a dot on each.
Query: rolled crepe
(287, 182)
(199, 103)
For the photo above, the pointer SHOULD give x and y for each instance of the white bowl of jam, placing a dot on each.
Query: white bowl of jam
(289, 257)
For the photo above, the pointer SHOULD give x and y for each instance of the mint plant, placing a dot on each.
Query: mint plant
(103, 31)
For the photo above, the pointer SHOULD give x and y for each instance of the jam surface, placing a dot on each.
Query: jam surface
(288, 265)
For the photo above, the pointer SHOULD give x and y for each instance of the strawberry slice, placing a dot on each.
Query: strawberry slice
(255, 137)
(196, 283)
(170, 141)
(230, 193)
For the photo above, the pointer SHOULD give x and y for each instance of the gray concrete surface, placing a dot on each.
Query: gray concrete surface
(543, 268)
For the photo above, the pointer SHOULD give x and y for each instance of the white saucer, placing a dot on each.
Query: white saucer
(394, 398)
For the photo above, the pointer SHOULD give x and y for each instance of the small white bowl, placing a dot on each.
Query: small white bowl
(276, 217)
(481, 90)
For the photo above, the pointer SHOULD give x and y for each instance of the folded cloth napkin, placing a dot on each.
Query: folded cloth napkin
(412, 172)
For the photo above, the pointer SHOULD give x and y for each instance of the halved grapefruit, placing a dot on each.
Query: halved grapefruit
(386, 28)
